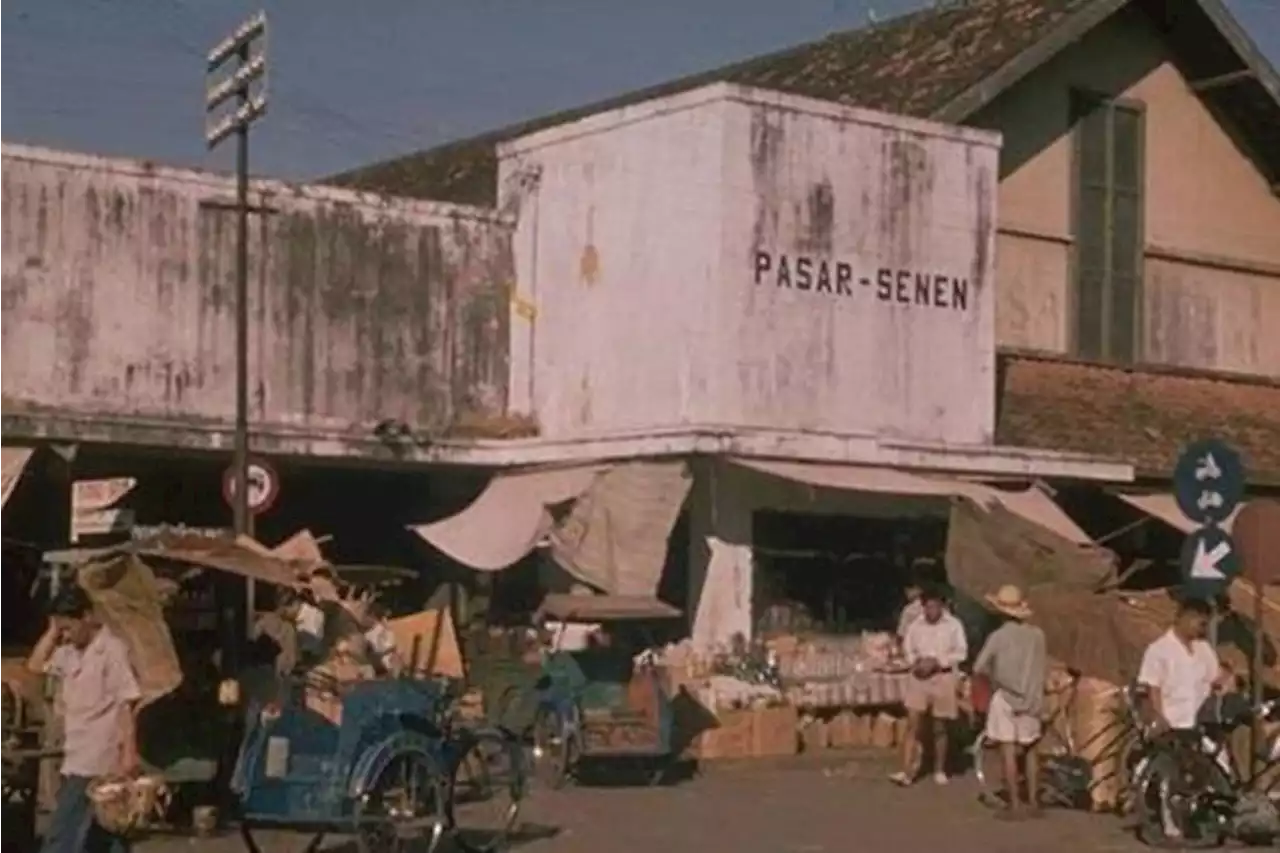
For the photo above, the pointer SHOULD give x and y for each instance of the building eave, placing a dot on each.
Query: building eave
(361, 446)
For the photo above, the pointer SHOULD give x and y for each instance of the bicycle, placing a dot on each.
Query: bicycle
(1190, 790)
(1066, 776)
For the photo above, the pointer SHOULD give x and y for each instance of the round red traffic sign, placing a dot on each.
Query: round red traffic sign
(1257, 532)
(264, 486)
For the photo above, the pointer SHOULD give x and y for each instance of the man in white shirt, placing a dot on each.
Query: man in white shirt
(99, 697)
(1180, 670)
(935, 646)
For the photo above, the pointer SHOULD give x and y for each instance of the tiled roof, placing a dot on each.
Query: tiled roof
(942, 62)
(1141, 416)
(913, 65)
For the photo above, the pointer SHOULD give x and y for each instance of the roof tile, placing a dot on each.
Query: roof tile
(1143, 416)
(913, 65)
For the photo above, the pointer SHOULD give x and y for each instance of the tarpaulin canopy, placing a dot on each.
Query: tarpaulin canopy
(238, 555)
(509, 518)
(615, 537)
(987, 548)
(1164, 507)
(13, 461)
(126, 594)
(1031, 503)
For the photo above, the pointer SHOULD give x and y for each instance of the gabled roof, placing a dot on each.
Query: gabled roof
(945, 63)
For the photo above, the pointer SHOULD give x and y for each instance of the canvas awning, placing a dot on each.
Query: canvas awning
(1164, 507)
(14, 461)
(617, 534)
(1031, 504)
(509, 518)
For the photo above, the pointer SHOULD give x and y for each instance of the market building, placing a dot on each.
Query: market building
(957, 255)
(1132, 294)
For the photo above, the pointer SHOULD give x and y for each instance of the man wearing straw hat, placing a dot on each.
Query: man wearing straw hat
(1015, 661)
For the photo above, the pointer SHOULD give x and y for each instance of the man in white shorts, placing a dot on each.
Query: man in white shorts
(1015, 661)
(935, 646)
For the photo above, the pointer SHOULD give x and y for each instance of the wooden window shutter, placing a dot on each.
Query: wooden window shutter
(1091, 225)
(1108, 226)
(1126, 234)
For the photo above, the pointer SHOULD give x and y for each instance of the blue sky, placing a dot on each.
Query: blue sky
(354, 81)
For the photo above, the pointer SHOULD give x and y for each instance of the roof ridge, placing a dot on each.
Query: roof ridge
(710, 75)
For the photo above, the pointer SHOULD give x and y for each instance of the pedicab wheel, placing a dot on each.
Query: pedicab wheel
(405, 810)
(486, 786)
(553, 749)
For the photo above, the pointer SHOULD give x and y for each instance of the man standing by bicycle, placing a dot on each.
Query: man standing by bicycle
(1179, 672)
(1015, 661)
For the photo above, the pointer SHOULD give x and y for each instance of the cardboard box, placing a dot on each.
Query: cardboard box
(814, 735)
(773, 731)
(882, 731)
(841, 730)
(731, 737)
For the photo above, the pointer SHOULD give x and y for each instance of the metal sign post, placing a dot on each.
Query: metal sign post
(238, 86)
(1208, 483)
(1257, 530)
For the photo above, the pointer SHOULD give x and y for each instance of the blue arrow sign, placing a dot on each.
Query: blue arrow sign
(1209, 562)
(1208, 481)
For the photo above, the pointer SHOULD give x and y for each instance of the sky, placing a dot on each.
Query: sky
(357, 81)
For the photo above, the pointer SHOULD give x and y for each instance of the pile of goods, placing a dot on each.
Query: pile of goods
(769, 698)
(865, 671)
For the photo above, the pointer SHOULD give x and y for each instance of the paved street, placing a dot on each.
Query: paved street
(794, 808)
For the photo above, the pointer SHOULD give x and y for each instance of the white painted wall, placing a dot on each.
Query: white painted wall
(641, 231)
(119, 305)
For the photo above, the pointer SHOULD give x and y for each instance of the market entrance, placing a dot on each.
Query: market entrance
(839, 574)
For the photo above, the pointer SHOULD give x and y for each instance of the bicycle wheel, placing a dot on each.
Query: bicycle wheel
(1132, 749)
(988, 770)
(554, 749)
(1171, 793)
(486, 786)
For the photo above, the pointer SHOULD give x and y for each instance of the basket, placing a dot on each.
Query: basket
(128, 806)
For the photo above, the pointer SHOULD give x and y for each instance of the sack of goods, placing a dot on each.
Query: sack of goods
(128, 806)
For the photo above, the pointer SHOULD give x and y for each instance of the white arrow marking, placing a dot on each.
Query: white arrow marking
(1204, 565)
(1208, 468)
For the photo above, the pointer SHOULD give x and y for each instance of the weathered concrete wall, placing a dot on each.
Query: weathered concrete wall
(119, 289)
(741, 258)
(1211, 269)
